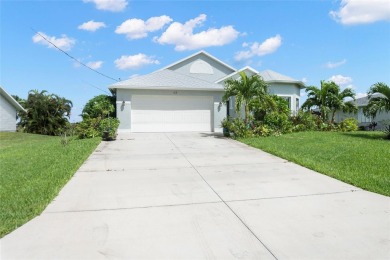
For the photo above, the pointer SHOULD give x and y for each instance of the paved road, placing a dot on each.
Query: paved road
(191, 195)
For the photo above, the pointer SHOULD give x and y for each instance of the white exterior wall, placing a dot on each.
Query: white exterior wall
(7, 116)
(280, 89)
(382, 118)
(124, 96)
(287, 90)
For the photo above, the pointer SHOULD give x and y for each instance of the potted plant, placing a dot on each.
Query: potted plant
(225, 127)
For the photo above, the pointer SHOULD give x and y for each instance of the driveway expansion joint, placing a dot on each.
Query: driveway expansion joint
(223, 201)
(133, 208)
(297, 196)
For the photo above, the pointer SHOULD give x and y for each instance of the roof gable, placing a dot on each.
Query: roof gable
(203, 66)
(249, 71)
(198, 54)
(11, 100)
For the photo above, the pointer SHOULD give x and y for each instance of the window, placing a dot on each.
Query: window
(231, 103)
(297, 104)
(288, 99)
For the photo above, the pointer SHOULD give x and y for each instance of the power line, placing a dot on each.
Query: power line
(95, 87)
(70, 56)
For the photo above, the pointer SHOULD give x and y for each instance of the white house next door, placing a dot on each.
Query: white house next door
(173, 113)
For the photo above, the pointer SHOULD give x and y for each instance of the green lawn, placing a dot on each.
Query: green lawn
(358, 158)
(33, 169)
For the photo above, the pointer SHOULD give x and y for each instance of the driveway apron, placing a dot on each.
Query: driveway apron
(201, 196)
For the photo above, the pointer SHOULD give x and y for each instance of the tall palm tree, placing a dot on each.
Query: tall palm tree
(46, 113)
(246, 91)
(329, 99)
(337, 100)
(379, 99)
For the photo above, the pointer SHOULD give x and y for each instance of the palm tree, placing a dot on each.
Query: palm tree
(379, 99)
(46, 113)
(246, 91)
(329, 99)
(337, 100)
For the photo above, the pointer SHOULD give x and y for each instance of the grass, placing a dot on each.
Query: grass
(358, 158)
(33, 169)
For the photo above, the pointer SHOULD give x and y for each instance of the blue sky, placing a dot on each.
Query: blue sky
(346, 41)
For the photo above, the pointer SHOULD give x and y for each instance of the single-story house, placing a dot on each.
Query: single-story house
(8, 109)
(382, 118)
(187, 95)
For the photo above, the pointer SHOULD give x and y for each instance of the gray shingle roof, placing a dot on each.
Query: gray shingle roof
(166, 79)
(363, 101)
(272, 76)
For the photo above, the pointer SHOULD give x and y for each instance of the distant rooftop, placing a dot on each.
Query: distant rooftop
(363, 101)
(272, 76)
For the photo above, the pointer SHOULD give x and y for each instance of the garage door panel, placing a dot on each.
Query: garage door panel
(171, 113)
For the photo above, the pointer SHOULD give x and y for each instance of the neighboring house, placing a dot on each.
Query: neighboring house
(8, 109)
(381, 118)
(187, 95)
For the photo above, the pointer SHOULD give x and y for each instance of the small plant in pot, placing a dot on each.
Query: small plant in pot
(106, 135)
(225, 127)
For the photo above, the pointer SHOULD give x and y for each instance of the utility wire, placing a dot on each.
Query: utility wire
(96, 87)
(70, 56)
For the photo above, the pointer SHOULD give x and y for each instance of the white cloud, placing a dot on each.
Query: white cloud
(137, 28)
(270, 45)
(341, 80)
(134, 61)
(184, 38)
(331, 65)
(304, 80)
(109, 5)
(360, 95)
(361, 11)
(91, 26)
(64, 42)
(95, 64)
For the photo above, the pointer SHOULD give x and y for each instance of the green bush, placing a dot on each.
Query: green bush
(278, 122)
(88, 128)
(348, 125)
(304, 121)
(109, 125)
(237, 128)
(387, 131)
(263, 130)
(93, 127)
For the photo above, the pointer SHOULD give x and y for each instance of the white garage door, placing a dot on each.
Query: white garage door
(170, 113)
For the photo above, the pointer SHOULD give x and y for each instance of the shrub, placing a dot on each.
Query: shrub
(238, 128)
(88, 128)
(348, 125)
(263, 130)
(387, 131)
(278, 122)
(93, 127)
(304, 121)
(109, 125)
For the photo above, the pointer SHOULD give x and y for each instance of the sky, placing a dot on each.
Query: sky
(345, 41)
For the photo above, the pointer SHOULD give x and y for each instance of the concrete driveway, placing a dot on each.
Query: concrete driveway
(193, 195)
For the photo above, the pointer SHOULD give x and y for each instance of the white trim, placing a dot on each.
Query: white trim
(11, 100)
(297, 82)
(291, 100)
(195, 54)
